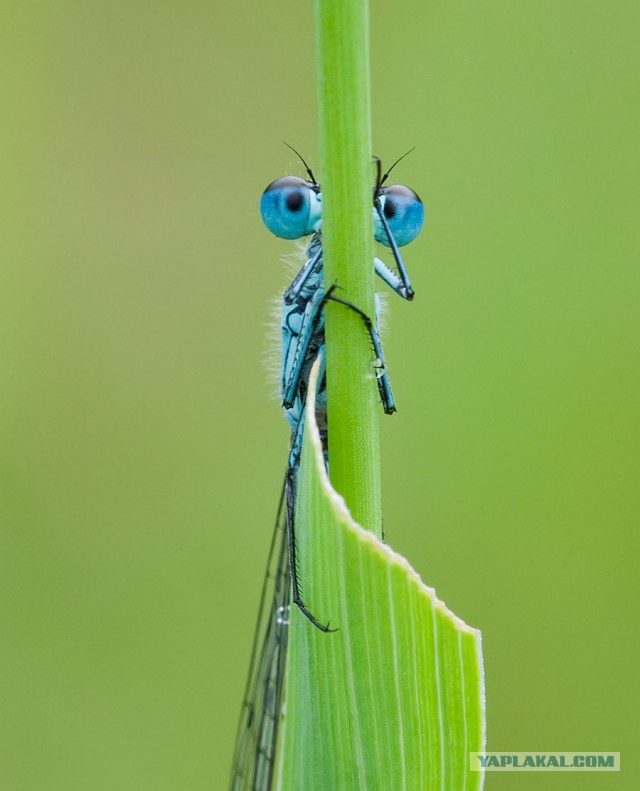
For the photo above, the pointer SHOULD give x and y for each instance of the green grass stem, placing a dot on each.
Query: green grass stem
(344, 112)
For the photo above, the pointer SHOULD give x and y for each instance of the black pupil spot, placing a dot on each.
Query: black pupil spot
(295, 200)
(390, 209)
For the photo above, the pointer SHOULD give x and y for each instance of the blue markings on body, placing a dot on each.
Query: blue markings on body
(291, 208)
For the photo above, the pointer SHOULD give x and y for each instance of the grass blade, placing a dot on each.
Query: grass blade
(394, 698)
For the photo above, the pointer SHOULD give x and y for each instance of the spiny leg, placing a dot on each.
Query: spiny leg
(291, 487)
(311, 318)
(292, 293)
(392, 280)
(382, 378)
(406, 291)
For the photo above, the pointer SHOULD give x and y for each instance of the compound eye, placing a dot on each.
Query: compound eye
(290, 208)
(404, 212)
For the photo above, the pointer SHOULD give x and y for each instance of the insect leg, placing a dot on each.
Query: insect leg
(391, 279)
(382, 378)
(405, 291)
(291, 294)
(309, 324)
(291, 487)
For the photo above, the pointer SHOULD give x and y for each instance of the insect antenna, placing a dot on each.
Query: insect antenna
(309, 171)
(378, 162)
(386, 175)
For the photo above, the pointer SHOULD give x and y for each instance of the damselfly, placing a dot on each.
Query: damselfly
(291, 208)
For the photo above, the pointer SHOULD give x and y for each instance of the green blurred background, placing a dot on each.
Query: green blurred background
(142, 454)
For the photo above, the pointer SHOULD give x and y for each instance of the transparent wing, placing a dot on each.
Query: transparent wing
(254, 755)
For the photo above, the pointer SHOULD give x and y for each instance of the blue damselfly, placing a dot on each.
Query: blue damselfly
(291, 208)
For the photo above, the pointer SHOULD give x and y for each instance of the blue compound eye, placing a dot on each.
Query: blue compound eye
(404, 214)
(290, 208)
